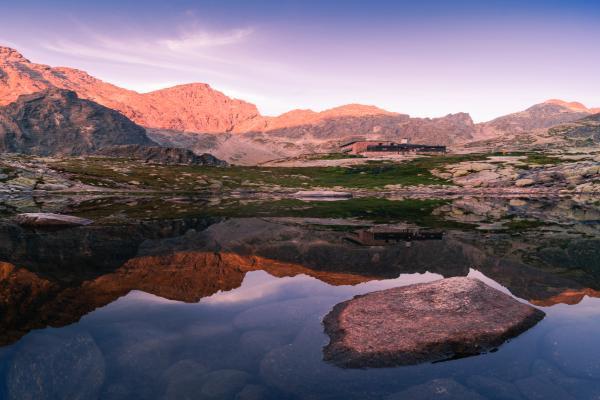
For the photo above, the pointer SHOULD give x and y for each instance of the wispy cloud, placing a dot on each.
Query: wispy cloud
(200, 40)
(142, 56)
(190, 53)
(193, 50)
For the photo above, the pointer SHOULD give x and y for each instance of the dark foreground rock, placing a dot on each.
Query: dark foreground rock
(162, 155)
(441, 320)
(49, 219)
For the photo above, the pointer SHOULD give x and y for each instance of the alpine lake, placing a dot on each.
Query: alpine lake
(199, 297)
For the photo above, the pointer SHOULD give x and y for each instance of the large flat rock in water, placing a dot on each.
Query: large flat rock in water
(440, 320)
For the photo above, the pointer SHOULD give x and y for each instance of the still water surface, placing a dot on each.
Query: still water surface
(231, 308)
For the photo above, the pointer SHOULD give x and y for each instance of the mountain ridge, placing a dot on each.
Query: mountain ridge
(192, 107)
(195, 116)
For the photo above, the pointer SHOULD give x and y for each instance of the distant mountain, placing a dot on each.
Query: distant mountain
(354, 121)
(320, 135)
(538, 117)
(58, 122)
(309, 117)
(337, 124)
(193, 107)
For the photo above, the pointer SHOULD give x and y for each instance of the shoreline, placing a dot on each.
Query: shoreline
(433, 191)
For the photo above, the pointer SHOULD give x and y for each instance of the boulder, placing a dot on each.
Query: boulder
(49, 219)
(51, 187)
(460, 172)
(440, 320)
(524, 182)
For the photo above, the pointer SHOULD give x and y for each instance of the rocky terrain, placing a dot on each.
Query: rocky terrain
(581, 133)
(58, 122)
(558, 172)
(158, 170)
(162, 155)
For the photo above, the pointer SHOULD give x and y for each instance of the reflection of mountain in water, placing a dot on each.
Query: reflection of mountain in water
(387, 237)
(52, 279)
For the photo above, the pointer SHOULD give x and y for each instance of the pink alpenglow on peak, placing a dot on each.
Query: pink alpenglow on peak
(572, 105)
(193, 107)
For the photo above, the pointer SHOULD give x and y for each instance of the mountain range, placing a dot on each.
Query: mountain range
(197, 117)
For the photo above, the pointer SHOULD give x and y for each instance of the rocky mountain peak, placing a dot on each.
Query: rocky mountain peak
(572, 105)
(356, 110)
(8, 54)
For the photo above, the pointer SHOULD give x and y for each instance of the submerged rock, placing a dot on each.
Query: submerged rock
(223, 384)
(49, 219)
(575, 349)
(437, 389)
(56, 365)
(441, 320)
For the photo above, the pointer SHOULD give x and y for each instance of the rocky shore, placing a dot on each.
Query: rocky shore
(490, 176)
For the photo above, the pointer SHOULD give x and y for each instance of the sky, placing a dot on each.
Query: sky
(425, 58)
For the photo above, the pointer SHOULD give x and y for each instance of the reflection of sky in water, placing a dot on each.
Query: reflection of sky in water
(265, 339)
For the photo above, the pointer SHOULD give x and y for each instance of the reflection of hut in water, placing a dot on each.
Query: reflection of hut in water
(368, 237)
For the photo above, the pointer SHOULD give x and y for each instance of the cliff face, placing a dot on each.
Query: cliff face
(58, 122)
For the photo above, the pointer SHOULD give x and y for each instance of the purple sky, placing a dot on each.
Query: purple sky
(426, 58)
